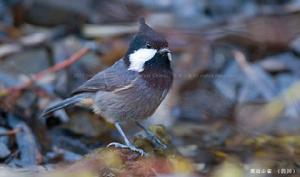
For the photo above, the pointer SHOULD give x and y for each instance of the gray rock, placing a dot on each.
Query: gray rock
(295, 45)
(71, 156)
(284, 81)
(25, 141)
(223, 9)
(187, 11)
(156, 4)
(3, 139)
(260, 86)
(235, 83)
(28, 62)
(248, 93)
(4, 151)
(203, 102)
(6, 16)
(290, 61)
(227, 83)
(264, 82)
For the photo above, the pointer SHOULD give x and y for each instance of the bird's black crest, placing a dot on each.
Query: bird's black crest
(142, 21)
(146, 35)
(147, 30)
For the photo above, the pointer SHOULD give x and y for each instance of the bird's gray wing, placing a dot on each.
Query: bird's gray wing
(113, 78)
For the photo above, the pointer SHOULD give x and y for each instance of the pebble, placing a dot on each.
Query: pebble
(4, 151)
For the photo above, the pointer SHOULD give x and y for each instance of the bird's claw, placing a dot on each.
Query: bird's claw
(156, 141)
(123, 146)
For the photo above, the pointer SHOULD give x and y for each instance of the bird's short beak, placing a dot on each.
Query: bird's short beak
(164, 51)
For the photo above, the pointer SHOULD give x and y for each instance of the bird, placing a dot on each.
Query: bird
(131, 89)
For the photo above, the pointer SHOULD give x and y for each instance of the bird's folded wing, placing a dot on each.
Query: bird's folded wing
(114, 78)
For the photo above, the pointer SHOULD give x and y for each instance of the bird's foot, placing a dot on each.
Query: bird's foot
(156, 141)
(131, 147)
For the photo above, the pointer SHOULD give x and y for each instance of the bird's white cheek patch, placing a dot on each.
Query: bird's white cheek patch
(139, 57)
(170, 56)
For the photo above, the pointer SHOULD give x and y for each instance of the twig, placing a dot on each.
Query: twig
(59, 66)
(10, 132)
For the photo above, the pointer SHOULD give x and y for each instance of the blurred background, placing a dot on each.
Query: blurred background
(234, 107)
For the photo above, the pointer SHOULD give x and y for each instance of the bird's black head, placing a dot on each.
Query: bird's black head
(148, 50)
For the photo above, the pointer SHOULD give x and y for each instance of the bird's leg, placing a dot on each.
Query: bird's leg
(127, 144)
(152, 137)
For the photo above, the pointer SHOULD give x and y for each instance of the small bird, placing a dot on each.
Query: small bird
(131, 89)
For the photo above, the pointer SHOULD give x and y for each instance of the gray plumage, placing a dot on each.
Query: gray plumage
(132, 88)
(118, 93)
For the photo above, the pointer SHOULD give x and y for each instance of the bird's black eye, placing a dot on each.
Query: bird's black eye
(148, 46)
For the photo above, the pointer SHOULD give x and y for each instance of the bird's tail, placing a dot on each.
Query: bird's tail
(64, 103)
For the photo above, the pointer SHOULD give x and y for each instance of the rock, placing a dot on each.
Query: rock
(14, 68)
(64, 139)
(235, 85)
(283, 81)
(186, 11)
(200, 100)
(4, 151)
(6, 16)
(85, 122)
(156, 4)
(56, 12)
(228, 82)
(36, 58)
(290, 61)
(123, 162)
(223, 9)
(71, 157)
(260, 87)
(6, 80)
(26, 142)
(4, 139)
(295, 45)
(67, 156)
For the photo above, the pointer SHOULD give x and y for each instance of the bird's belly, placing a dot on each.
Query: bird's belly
(131, 104)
